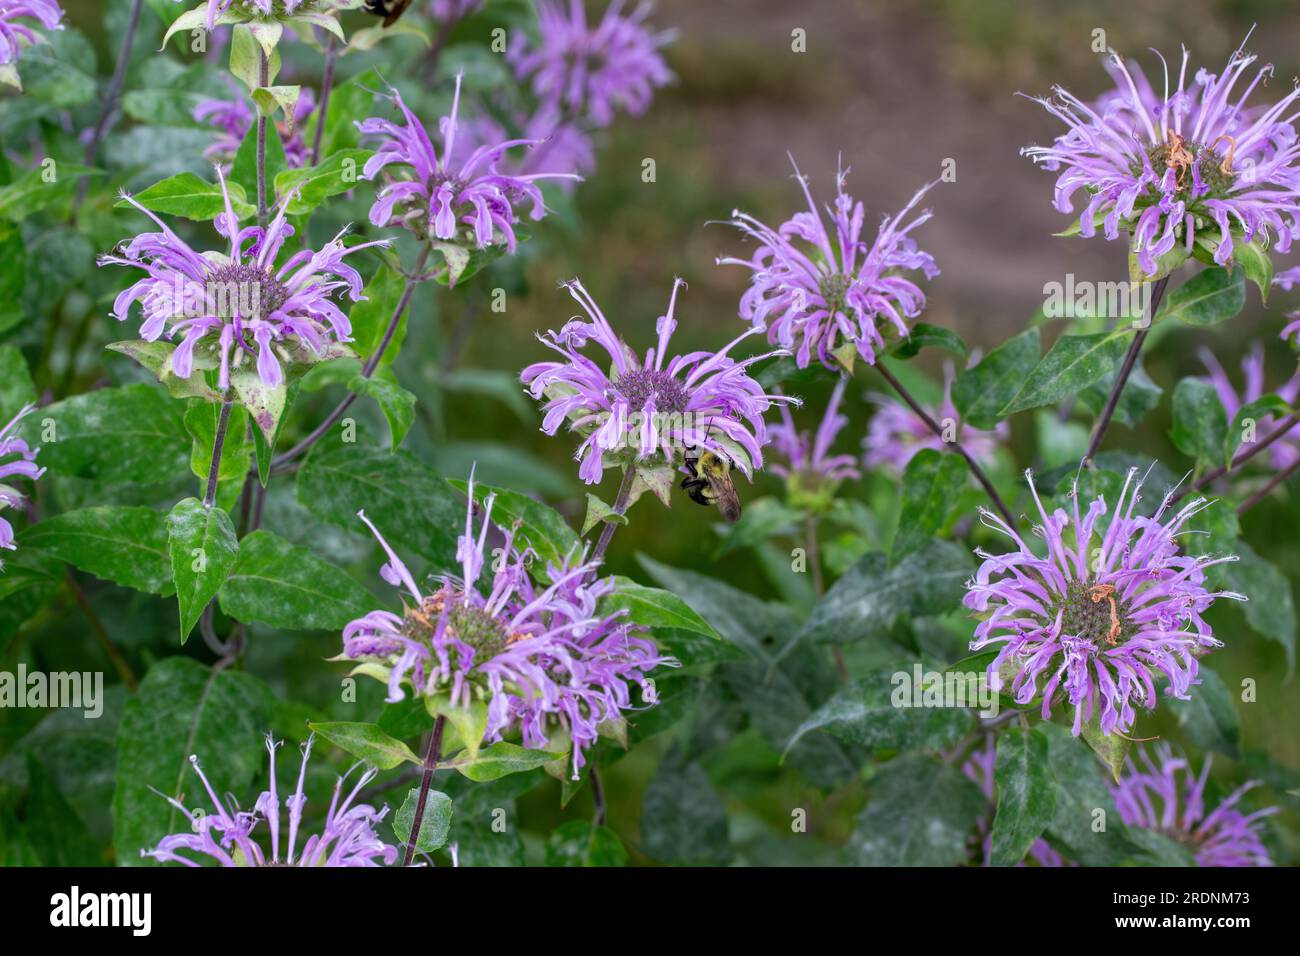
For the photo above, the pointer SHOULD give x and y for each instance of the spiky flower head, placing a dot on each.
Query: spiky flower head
(1166, 796)
(810, 470)
(17, 460)
(542, 660)
(229, 308)
(1189, 165)
(233, 118)
(1285, 450)
(895, 433)
(225, 833)
(589, 72)
(824, 291)
(1112, 607)
(436, 194)
(661, 405)
(15, 33)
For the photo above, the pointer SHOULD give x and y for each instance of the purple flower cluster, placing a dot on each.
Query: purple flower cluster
(436, 196)
(1171, 166)
(225, 834)
(588, 73)
(811, 467)
(817, 288)
(1153, 796)
(560, 147)
(979, 767)
(15, 34)
(1287, 449)
(233, 118)
(238, 303)
(17, 460)
(896, 434)
(543, 658)
(660, 405)
(1101, 614)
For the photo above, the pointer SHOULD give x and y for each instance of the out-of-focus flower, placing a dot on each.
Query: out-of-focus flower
(233, 118)
(543, 659)
(15, 34)
(1102, 614)
(1172, 167)
(240, 301)
(560, 147)
(895, 433)
(1152, 795)
(588, 73)
(816, 288)
(451, 11)
(812, 471)
(225, 834)
(979, 767)
(1287, 449)
(17, 460)
(436, 197)
(661, 405)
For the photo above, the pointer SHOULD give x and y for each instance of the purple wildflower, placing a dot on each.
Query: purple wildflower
(226, 834)
(438, 197)
(239, 300)
(233, 118)
(1102, 613)
(589, 72)
(452, 11)
(895, 433)
(827, 288)
(542, 658)
(1151, 795)
(1168, 166)
(812, 469)
(15, 34)
(979, 767)
(560, 147)
(1287, 449)
(17, 460)
(662, 404)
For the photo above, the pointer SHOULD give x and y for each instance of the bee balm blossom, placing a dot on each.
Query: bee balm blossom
(233, 118)
(812, 468)
(590, 72)
(17, 460)
(817, 288)
(1153, 795)
(225, 833)
(542, 658)
(1287, 449)
(1112, 606)
(661, 404)
(237, 305)
(1172, 167)
(437, 197)
(15, 34)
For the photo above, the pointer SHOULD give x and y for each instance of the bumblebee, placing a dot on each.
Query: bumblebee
(390, 10)
(708, 482)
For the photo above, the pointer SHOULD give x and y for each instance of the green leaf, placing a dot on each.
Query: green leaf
(130, 434)
(1209, 717)
(677, 629)
(184, 709)
(1263, 407)
(920, 814)
(273, 99)
(157, 358)
(333, 175)
(1166, 264)
(265, 403)
(500, 760)
(16, 386)
(1208, 298)
(367, 742)
(932, 484)
(1026, 794)
(468, 722)
(397, 404)
(277, 583)
(1200, 423)
(1072, 364)
(412, 507)
(203, 547)
(243, 170)
(489, 383)
(188, 196)
(125, 545)
(1111, 749)
(871, 595)
(201, 420)
(434, 825)
(1140, 396)
(371, 315)
(41, 188)
(981, 392)
(540, 527)
(1086, 826)
(1270, 608)
(924, 334)
(598, 512)
(582, 843)
(683, 820)
(1255, 263)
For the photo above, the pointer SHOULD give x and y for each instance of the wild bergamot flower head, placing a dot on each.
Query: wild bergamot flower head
(17, 460)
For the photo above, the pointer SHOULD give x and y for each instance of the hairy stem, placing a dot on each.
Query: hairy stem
(322, 108)
(620, 507)
(1125, 370)
(956, 446)
(598, 797)
(263, 80)
(1273, 482)
(218, 442)
(1214, 474)
(431, 755)
(282, 461)
(110, 101)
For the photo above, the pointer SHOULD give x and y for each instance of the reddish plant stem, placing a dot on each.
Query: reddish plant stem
(110, 101)
(1273, 482)
(431, 755)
